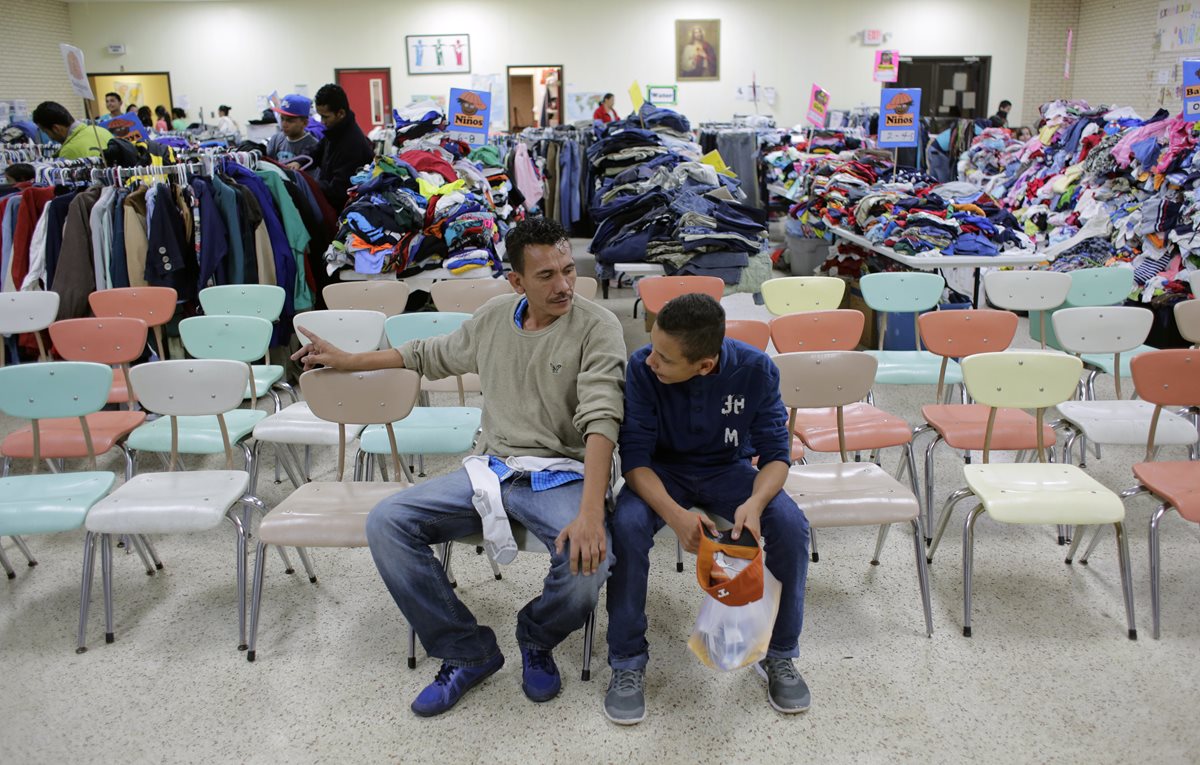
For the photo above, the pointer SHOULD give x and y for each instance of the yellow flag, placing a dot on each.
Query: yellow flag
(714, 158)
(635, 95)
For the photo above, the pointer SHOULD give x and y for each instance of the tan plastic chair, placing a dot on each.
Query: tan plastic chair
(586, 287)
(836, 330)
(22, 312)
(749, 331)
(467, 295)
(793, 294)
(334, 513)
(153, 305)
(1187, 319)
(389, 297)
(847, 493)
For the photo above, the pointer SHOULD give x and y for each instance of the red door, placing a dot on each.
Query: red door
(370, 95)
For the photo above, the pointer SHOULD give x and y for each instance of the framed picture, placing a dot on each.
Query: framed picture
(438, 54)
(661, 95)
(697, 49)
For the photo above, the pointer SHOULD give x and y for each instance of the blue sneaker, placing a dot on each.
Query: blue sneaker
(451, 684)
(539, 675)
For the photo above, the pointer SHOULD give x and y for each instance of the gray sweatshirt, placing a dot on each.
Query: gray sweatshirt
(544, 392)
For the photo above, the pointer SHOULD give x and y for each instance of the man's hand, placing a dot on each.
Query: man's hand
(319, 353)
(748, 516)
(585, 539)
(686, 526)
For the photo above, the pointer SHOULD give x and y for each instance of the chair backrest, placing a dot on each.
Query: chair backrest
(1187, 318)
(55, 389)
(837, 330)
(153, 305)
(262, 300)
(1107, 285)
(388, 296)
(825, 379)
(27, 312)
(1164, 378)
(239, 338)
(586, 287)
(418, 326)
(902, 291)
(352, 331)
(792, 294)
(112, 340)
(1027, 290)
(467, 295)
(962, 333)
(1109, 329)
(1020, 380)
(657, 291)
(361, 398)
(191, 387)
(750, 331)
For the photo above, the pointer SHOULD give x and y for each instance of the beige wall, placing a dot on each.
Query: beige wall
(1049, 21)
(229, 52)
(33, 67)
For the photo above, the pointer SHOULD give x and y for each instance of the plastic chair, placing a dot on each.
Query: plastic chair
(836, 330)
(263, 301)
(1039, 493)
(1090, 287)
(1166, 378)
(847, 493)
(468, 295)
(153, 305)
(586, 287)
(50, 503)
(175, 502)
(906, 292)
(334, 513)
(1187, 320)
(429, 324)
(22, 312)
(655, 291)
(388, 296)
(749, 331)
(353, 331)
(238, 338)
(1105, 339)
(1033, 291)
(114, 341)
(793, 294)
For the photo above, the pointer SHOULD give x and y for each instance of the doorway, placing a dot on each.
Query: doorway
(951, 86)
(535, 96)
(370, 94)
(140, 88)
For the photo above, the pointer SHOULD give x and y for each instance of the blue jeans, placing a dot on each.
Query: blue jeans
(401, 529)
(785, 534)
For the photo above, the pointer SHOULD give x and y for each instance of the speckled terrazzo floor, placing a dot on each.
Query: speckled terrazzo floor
(1049, 676)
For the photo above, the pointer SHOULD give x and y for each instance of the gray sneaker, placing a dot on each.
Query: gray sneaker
(786, 690)
(625, 702)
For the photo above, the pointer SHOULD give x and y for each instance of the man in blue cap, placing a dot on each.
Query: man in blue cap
(294, 140)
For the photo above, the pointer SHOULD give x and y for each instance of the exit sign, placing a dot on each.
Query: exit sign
(872, 37)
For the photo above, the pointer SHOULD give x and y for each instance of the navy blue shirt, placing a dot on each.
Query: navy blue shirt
(710, 421)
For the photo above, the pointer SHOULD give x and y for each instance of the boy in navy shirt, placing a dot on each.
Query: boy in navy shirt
(698, 407)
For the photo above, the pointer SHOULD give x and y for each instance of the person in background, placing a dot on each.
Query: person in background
(146, 117)
(19, 172)
(227, 125)
(78, 139)
(180, 121)
(343, 150)
(293, 140)
(1000, 118)
(131, 108)
(1024, 133)
(112, 102)
(605, 111)
(162, 122)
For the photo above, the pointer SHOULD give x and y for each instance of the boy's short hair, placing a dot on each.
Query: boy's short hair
(19, 172)
(697, 322)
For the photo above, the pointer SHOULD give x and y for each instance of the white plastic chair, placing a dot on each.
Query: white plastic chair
(27, 312)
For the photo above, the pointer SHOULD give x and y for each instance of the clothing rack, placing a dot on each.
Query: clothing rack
(179, 172)
(30, 152)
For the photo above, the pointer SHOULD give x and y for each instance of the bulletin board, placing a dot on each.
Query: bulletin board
(142, 88)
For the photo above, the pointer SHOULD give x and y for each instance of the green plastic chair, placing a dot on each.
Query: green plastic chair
(1090, 287)
(427, 429)
(237, 338)
(50, 503)
(262, 300)
(906, 292)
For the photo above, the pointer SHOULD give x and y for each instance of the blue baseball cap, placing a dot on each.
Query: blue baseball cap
(294, 105)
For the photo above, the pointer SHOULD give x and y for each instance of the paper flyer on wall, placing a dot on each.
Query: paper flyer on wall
(887, 65)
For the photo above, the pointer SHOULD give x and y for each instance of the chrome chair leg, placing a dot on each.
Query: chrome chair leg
(150, 549)
(812, 545)
(85, 589)
(447, 553)
(589, 630)
(308, 567)
(383, 472)
(1075, 544)
(278, 458)
(421, 465)
(495, 569)
(235, 518)
(1127, 578)
(678, 556)
(969, 565)
(922, 573)
(951, 501)
(8, 569)
(20, 543)
(359, 458)
(7, 467)
(929, 450)
(412, 647)
(136, 544)
(307, 463)
(1083, 560)
(130, 465)
(879, 540)
(275, 401)
(1155, 571)
(256, 598)
(106, 579)
(287, 562)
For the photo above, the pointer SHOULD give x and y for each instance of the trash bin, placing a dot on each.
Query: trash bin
(901, 331)
(805, 255)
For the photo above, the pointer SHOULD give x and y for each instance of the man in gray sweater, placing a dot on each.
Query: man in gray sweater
(552, 367)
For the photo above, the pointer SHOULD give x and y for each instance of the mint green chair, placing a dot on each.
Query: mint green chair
(262, 301)
(50, 503)
(1090, 287)
(427, 429)
(906, 292)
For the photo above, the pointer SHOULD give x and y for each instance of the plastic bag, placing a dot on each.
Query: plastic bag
(731, 637)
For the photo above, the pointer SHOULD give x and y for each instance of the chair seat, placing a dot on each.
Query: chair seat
(866, 428)
(913, 368)
(1043, 493)
(963, 426)
(325, 514)
(1126, 423)
(63, 438)
(850, 494)
(1175, 482)
(265, 375)
(427, 430)
(471, 384)
(1104, 361)
(169, 503)
(48, 503)
(296, 424)
(197, 435)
